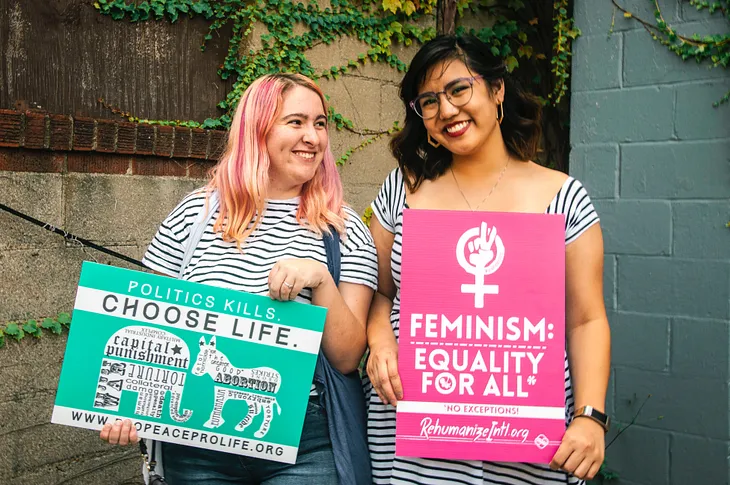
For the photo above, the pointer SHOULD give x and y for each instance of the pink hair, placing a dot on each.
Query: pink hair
(241, 177)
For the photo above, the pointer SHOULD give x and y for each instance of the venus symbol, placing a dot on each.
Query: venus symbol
(486, 253)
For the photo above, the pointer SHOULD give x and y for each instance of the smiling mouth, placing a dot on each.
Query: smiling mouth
(305, 155)
(457, 129)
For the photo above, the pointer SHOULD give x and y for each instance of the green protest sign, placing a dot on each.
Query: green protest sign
(189, 363)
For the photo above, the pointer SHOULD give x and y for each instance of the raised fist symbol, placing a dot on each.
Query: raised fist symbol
(480, 249)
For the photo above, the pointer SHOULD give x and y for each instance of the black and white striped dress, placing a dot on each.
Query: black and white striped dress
(571, 200)
(278, 236)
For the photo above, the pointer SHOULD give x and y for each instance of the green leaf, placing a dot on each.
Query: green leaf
(172, 12)
(51, 325)
(409, 8)
(64, 319)
(392, 5)
(511, 62)
(13, 330)
(31, 327)
(525, 51)
(158, 9)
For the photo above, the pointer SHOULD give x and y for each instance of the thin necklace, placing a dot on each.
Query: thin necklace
(504, 169)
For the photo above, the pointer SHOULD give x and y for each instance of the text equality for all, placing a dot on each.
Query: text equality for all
(492, 352)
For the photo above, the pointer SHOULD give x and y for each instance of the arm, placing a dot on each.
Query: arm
(344, 339)
(382, 365)
(589, 352)
(587, 330)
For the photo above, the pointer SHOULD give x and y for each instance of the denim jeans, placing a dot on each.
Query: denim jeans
(185, 465)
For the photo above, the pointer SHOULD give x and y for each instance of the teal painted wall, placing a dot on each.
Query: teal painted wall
(655, 156)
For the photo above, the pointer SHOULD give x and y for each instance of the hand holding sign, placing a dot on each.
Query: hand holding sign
(121, 433)
(582, 449)
(382, 369)
(289, 276)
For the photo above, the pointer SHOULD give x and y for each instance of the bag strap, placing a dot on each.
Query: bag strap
(198, 229)
(149, 457)
(332, 250)
(196, 234)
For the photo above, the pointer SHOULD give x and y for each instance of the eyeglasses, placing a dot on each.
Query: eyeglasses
(458, 92)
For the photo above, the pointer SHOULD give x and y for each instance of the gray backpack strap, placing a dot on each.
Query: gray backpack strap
(198, 229)
(196, 233)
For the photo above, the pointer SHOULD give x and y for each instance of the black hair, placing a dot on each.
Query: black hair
(521, 126)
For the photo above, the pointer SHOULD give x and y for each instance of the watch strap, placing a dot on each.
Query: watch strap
(594, 414)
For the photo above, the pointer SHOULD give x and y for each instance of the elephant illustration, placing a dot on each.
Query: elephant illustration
(156, 363)
(254, 386)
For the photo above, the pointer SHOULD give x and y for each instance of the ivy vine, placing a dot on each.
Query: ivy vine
(711, 49)
(34, 327)
(367, 215)
(518, 34)
(282, 50)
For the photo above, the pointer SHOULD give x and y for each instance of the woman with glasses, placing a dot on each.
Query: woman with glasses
(469, 137)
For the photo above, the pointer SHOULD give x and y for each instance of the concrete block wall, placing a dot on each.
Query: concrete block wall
(655, 156)
(117, 194)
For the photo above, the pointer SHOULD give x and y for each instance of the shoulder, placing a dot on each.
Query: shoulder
(357, 231)
(546, 178)
(573, 201)
(187, 209)
(394, 182)
(572, 196)
(193, 200)
(393, 191)
(554, 183)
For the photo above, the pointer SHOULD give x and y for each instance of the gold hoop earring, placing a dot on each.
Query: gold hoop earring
(500, 113)
(432, 142)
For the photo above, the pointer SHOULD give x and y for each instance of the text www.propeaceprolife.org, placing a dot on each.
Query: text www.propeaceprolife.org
(176, 434)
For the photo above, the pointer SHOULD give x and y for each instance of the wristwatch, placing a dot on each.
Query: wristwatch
(595, 415)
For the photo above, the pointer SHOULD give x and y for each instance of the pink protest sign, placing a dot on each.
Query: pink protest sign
(482, 336)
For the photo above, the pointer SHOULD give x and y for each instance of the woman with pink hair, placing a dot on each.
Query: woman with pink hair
(280, 199)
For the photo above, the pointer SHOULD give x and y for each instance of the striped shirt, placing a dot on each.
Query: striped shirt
(571, 200)
(278, 236)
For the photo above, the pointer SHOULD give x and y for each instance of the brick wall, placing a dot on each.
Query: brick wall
(80, 144)
(654, 155)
